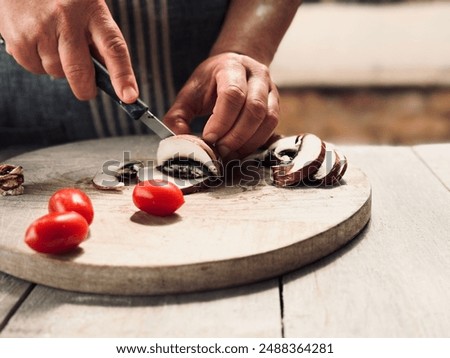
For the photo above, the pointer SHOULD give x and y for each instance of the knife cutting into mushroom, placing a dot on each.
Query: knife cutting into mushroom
(189, 162)
(184, 159)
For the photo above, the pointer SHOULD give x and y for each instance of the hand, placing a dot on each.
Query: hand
(56, 37)
(242, 98)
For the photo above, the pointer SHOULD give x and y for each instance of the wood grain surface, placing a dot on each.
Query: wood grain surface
(246, 311)
(437, 158)
(12, 292)
(226, 236)
(393, 281)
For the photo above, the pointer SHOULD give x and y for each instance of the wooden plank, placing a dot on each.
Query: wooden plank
(437, 158)
(252, 311)
(12, 291)
(235, 234)
(393, 281)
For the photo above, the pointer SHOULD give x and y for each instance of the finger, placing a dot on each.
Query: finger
(231, 95)
(77, 65)
(252, 115)
(111, 46)
(266, 130)
(25, 53)
(48, 52)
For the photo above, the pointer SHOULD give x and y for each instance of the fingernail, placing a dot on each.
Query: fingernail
(210, 138)
(129, 94)
(223, 151)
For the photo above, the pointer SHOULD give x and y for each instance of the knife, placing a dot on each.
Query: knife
(137, 110)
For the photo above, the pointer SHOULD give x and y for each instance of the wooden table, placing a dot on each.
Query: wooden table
(393, 280)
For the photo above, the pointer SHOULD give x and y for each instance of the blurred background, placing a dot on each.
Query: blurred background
(367, 71)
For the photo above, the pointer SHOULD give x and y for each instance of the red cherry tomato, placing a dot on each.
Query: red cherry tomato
(157, 197)
(57, 233)
(71, 199)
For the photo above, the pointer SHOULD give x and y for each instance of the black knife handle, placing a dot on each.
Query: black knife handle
(135, 110)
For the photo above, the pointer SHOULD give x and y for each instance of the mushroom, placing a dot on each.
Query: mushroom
(283, 150)
(108, 180)
(342, 164)
(115, 176)
(329, 173)
(11, 180)
(302, 159)
(185, 160)
(127, 171)
(306, 162)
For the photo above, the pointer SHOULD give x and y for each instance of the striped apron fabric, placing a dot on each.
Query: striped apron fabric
(167, 40)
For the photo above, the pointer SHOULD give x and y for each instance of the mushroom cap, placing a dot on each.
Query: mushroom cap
(190, 147)
(304, 165)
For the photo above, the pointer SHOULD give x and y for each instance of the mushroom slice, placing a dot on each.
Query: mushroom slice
(127, 171)
(108, 181)
(342, 164)
(328, 172)
(284, 150)
(278, 150)
(188, 148)
(185, 160)
(11, 180)
(304, 165)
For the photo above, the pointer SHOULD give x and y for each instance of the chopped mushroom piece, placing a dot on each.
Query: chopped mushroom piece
(306, 163)
(11, 180)
(117, 175)
(108, 181)
(303, 159)
(186, 161)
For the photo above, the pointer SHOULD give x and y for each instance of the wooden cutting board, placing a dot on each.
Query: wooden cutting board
(226, 236)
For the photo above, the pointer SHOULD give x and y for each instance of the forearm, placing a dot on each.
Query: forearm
(255, 27)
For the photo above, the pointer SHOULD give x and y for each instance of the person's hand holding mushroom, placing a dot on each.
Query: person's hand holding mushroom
(234, 86)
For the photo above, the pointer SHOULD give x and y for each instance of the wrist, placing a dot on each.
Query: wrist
(259, 54)
(255, 28)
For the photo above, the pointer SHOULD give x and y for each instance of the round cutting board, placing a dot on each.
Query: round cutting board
(238, 233)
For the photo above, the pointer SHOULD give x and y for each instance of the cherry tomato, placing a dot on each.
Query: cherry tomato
(71, 199)
(157, 197)
(57, 233)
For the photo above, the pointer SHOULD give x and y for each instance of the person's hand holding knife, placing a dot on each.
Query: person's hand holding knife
(57, 38)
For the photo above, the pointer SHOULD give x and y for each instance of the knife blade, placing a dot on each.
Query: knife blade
(137, 110)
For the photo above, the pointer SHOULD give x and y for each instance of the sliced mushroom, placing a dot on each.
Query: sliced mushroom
(185, 160)
(328, 173)
(301, 159)
(342, 164)
(284, 150)
(127, 171)
(109, 180)
(11, 180)
(304, 165)
(188, 148)
(116, 176)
